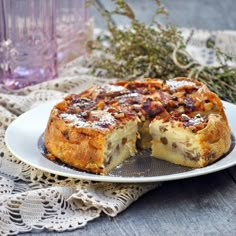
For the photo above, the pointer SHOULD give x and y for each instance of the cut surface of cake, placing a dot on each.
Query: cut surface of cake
(179, 119)
(193, 142)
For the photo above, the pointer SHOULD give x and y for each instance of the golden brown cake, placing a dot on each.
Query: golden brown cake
(180, 120)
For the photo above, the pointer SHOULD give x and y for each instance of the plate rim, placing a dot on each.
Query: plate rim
(108, 178)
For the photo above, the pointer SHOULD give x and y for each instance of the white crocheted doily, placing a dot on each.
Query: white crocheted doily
(32, 199)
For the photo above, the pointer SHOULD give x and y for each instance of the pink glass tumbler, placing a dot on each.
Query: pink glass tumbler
(28, 49)
(74, 29)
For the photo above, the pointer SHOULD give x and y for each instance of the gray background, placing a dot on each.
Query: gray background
(202, 14)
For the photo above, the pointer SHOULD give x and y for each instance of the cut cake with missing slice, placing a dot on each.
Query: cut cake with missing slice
(180, 120)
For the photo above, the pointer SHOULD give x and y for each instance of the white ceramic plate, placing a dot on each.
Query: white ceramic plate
(24, 139)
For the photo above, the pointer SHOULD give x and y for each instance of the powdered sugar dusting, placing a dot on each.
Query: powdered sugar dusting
(74, 119)
(113, 88)
(130, 95)
(175, 84)
(97, 120)
(102, 119)
(197, 119)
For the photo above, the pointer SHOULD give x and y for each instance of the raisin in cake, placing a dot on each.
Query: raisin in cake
(180, 120)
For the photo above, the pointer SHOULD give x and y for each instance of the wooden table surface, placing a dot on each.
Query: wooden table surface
(203, 205)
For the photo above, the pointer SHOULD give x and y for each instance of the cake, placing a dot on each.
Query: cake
(180, 120)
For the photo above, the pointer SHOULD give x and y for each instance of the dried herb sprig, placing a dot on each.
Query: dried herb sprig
(156, 51)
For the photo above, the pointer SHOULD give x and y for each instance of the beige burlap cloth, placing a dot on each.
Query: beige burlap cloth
(31, 199)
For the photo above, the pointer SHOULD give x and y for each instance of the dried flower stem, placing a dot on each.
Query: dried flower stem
(156, 51)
